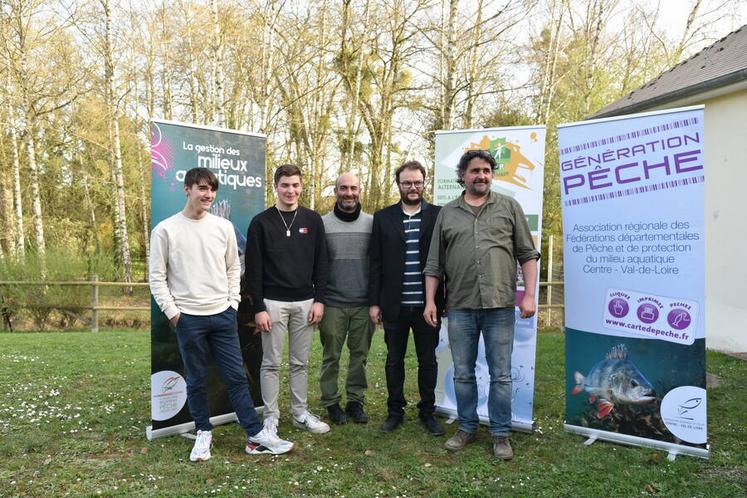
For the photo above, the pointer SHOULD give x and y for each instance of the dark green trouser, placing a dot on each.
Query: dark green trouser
(337, 325)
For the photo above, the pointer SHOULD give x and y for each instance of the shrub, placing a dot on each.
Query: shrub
(39, 302)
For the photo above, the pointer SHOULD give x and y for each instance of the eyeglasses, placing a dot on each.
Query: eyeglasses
(411, 184)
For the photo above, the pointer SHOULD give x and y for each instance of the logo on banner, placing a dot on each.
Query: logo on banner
(168, 392)
(509, 158)
(683, 411)
(160, 151)
(653, 317)
(638, 161)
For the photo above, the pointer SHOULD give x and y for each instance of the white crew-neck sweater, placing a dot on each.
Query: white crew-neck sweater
(194, 265)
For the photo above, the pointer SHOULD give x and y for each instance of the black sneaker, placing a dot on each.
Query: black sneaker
(391, 423)
(356, 413)
(432, 426)
(336, 415)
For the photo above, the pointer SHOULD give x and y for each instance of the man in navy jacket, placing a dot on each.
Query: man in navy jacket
(400, 240)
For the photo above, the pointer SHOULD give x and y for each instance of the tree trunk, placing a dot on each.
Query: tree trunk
(449, 71)
(117, 168)
(220, 116)
(91, 214)
(36, 205)
(353, 123)
(473, 70)
(687, 33)
(18, 228)
(143, 206)
(267, 66)
(193, 84)
(595, 24)
(549, 65)
(6, 212)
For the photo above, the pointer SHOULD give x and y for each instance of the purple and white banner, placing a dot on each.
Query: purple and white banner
(633, 232)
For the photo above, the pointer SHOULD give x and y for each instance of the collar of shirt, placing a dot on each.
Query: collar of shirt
(492, 198)
(402, 206)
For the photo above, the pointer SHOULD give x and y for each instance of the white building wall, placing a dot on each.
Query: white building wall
(725, 213)
(726, 221)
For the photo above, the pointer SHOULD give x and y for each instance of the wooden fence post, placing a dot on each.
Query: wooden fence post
(549, 280)
(95, 304)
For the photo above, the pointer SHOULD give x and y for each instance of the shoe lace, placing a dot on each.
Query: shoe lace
(271, 425)
(310, 417)
(268, 436)
(203, 440)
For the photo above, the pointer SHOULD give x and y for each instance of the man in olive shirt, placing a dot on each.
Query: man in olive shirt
(476, 242)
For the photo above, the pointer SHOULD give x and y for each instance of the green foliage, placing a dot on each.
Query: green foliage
(506, 115)
(51, 304)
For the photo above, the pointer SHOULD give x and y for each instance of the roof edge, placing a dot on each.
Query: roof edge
(702, 87)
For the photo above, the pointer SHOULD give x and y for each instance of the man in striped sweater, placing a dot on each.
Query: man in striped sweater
(400, 240)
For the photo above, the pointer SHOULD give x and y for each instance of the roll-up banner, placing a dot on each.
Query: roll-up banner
(633, 230)
(519, 152)
(238, 160)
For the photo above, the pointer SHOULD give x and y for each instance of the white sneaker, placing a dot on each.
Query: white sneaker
(266, 442)
(271, 425)
(201, 449)
(311, 423)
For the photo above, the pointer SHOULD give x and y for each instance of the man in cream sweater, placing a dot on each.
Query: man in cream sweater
(195, 279)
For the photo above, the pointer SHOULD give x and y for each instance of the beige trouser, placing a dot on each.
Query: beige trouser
(291, 318)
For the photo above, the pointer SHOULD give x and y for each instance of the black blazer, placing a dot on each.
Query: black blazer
(386, 256)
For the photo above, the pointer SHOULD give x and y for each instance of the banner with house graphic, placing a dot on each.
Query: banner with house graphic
(633, 232)
(238, 160)
(519, 152)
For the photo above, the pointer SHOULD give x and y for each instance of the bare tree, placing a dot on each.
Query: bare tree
(45, 73)
(217, 66)
(387, 79)
(121, 238)
(348, 48)
(308, 93)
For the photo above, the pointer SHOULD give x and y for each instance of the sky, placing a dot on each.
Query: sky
(725, 18)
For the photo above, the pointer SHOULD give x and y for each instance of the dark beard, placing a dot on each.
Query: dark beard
(346, 210)
(474, 192)
(407, 201)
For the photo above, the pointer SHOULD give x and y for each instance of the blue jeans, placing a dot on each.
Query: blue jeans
(199, 336)
(497, 327)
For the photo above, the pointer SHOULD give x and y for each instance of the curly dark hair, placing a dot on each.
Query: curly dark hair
(470, 155)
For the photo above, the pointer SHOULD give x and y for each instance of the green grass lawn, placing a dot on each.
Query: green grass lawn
(74, 407)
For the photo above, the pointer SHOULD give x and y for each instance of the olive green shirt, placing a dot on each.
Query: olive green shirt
(477, 253)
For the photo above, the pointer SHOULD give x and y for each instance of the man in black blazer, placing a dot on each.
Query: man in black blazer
(400, 240)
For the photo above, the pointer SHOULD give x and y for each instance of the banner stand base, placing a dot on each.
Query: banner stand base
(226, 418)
(671, 448)
(515, 425)
(590, 441)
